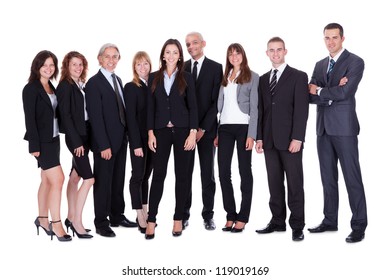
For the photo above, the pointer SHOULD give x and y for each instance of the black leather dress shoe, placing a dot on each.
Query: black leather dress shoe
(271, 228)
(355, 236)
(209, 224)
(185, 224)
(322, 228)
(106, 232)
(297, 235)
(124, 223)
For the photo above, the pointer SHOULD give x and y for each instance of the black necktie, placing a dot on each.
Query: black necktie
(331, 64)
(119, 101)
(272, 84)
(195, 71)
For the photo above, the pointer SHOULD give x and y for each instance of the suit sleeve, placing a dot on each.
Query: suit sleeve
(301, 107)
(130, 96)
(29, 105)
(191, 102)
(64, 95)
(253, 104)
(260, 112)
(96, 117)
(212, 112)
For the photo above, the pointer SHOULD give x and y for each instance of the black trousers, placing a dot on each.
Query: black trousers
(343, 149)
(166, 138)
(281, 165)
(141, 169)
(228, 136)
(108, 187)
(206, 152)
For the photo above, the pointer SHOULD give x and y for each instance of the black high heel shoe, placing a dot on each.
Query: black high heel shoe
(66, 237)
(150, 236)
(228, 228)
(178, 233)
(38, 224)
(80, 235)
(141, 229)
(69, 223)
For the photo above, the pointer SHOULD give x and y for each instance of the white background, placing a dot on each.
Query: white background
(27, 27)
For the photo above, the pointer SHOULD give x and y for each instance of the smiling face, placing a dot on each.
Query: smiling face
(333, 41)
(195, 46)
(276, 53)
(76, 68)
(235, 59)
(109, 59)
(142, 67)
(171, 55)
(47, 69)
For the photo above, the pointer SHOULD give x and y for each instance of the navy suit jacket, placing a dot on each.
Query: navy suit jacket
(103, 112)
(39, 115)
(180, 109)
(207, 89)
(283, 115)
(338, 117)
(71, 109)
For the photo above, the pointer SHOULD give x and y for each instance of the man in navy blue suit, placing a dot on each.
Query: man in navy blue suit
(104, 100)
(333, 87)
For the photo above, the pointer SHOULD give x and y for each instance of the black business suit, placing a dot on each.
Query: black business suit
(141, 167)
(181, 111)
(72, 122)
(207, 87)
(337, 130)
(282, 118)
(39, 116)
(107, 132)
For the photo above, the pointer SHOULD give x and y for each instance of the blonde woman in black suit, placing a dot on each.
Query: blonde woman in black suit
(42, 134)
(135, 94)
(237, 105)
(172, 121)
(74, 123)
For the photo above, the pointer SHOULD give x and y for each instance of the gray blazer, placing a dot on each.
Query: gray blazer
(339, 118)
(247, 99)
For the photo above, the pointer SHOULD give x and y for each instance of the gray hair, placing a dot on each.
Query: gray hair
(106, 46)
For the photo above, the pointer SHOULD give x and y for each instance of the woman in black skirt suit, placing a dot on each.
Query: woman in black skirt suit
(74, 123)
(42, 134)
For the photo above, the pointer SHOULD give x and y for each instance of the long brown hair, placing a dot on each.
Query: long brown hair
(65, 74)
(39, 61)
(245, 71)
(163, 66)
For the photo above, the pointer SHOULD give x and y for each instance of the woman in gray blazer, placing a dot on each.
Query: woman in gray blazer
(238, 112)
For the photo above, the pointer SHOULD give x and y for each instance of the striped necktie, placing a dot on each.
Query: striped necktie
(272, 84)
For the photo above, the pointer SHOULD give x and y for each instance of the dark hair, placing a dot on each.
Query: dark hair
(65, 74)
(163, 66)
(275, 40)
(335, 26)
(245, 74)
(39, 61)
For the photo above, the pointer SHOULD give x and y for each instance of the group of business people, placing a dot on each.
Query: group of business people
(189, 104)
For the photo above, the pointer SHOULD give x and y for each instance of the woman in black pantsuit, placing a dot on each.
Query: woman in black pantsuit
(172, 121)
(135, 94)
(74, 123)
